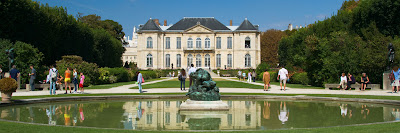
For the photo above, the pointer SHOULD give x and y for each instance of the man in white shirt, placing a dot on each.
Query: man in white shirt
(282, 77)
(192, 69)
(343, 81)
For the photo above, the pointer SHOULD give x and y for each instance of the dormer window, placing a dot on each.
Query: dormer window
(247, 42)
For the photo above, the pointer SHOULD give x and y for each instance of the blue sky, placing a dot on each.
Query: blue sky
(269, 14)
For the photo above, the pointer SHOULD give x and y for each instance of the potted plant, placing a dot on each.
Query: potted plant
(7, 87)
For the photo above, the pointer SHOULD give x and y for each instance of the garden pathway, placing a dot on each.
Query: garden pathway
(273, 90)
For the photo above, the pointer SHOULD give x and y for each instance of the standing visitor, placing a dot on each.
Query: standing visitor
(169, 74)
(364, 81)
(32, 78)
(67, 80)
(283, 77)
(266, 80)
(139, 81)
(352, 80)
(53, 78)
(254, 75)
(395, 82)
(173, 73)
(14, 73)
(240, 75)
(249, 77)
(244, 76)
(182, 78)
(343, 81)
(191, 70)
(81, 83)
(75, 81)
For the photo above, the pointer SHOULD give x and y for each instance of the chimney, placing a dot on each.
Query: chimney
(156, 21)
(230, 22)
(165, 22)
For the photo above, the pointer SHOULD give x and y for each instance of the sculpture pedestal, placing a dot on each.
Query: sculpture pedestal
(191, 105)
(386, 81)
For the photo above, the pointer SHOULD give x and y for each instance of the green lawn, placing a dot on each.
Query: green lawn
(220, 84)
(298, 86)
(108, 86)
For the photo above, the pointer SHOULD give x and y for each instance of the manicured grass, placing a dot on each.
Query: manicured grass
(108, 86)
(214, 79)
(220, 84)
(12, 127)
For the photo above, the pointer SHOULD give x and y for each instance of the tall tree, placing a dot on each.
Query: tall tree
(269, 46)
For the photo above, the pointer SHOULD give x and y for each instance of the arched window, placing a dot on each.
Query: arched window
(247, 42)
(198, 43)
(149, 42)
(149, 60)
(167, 60)
(207, 43)
(207, 60)
(189, 60)
(190, 43)
(198, 60)
(247, 60)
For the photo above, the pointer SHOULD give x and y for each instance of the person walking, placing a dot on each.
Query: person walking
(396, 80)
(191, 70)
(364, 81)
(283, 77)
(254, 75)
(182, 78)
(75, 80)
(249, 77)
(53, 72)
(240, 75)
(67, 80)
(352, 80)
(32, 78)
(244, 76)
(139, 81)
(81, 82)
(266, 80)
(14, 73)
(343, 81)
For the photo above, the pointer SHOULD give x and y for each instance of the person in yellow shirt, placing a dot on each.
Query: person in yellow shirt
(67, 80)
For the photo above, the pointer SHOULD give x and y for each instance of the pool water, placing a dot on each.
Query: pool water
(165, 114)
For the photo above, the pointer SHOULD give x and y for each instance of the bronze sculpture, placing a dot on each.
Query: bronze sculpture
(203, 89)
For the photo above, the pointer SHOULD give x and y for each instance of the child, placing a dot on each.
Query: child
(81, 83)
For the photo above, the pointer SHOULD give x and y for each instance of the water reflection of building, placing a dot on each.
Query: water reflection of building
(165, 115)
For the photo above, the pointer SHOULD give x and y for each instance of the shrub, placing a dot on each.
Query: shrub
(8, 85)
(122, 74)
(149, 74)
(261, 69)
(300, 78)
(90, 70)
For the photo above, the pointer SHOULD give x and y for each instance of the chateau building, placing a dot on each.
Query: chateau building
(204, 42)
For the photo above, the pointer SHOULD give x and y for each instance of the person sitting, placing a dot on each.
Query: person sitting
(343, 80)
(364, 81)
(352, 80)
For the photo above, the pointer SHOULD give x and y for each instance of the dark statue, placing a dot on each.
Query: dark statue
(203, 88)
(11, 57)
(390, 55)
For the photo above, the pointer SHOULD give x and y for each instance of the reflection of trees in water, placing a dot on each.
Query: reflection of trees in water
(204, 124)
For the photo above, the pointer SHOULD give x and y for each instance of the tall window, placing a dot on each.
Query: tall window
(167, 118)
(149, 42)
(207, 43)
(178, 43)
(149, 118)
(189, 59)
(229, 60)
(167, 43)
(149, 60)
(229, 42)
(207, 60)
(178, 60)
(198, 43)
(218, 42)
(247, 42)
(218, 60)
(167, 60)
(198, 60)
(190, 43)
(247, 61)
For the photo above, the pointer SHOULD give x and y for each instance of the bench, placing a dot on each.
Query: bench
(355, 86)
(226, 75)
(46, 87)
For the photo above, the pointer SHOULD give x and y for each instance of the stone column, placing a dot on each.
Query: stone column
(386, 81)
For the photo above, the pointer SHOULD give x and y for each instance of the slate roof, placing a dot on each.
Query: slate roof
(150, 25)
(246, 25)
(210, 23)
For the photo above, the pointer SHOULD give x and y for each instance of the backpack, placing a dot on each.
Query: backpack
(53, 75)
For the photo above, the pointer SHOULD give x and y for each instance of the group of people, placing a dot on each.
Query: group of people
(56, 79)
(346, 81)
(283, 77)
(251, 76)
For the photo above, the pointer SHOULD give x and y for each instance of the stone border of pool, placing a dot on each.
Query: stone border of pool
(223, 97)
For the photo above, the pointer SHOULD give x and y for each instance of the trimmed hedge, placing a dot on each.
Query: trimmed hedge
(300, 78)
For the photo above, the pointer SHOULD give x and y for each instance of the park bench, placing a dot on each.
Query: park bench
(46, 87)
(226, 75)
(355, 86)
